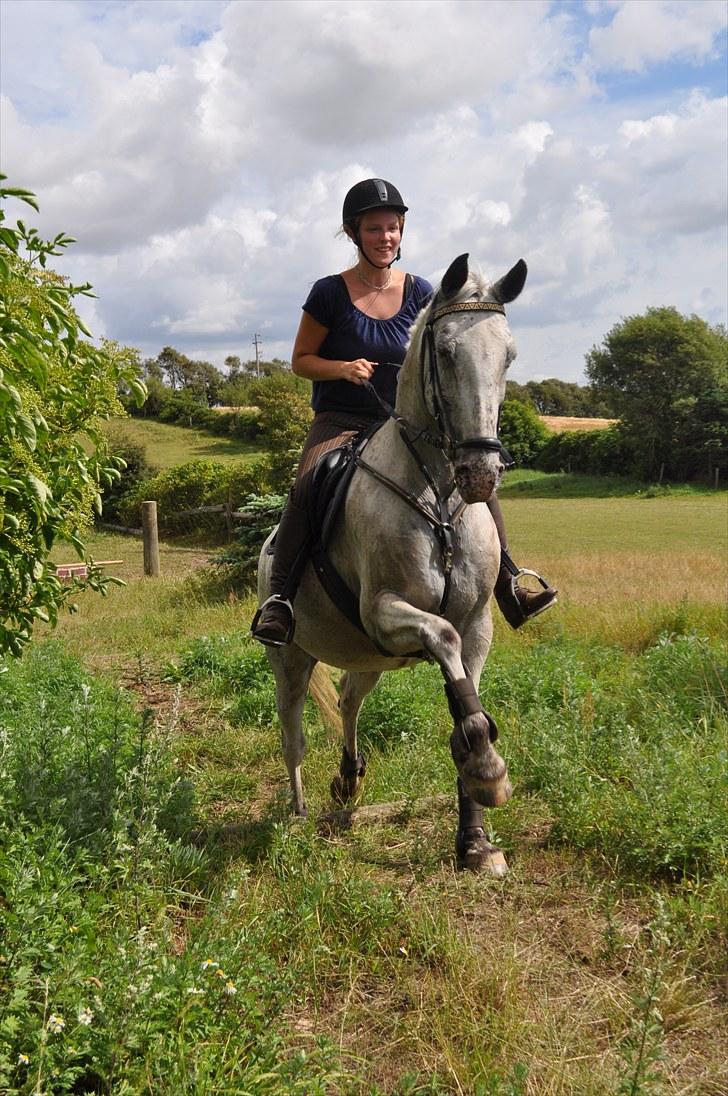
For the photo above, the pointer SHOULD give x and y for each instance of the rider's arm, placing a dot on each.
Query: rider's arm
(305, 361)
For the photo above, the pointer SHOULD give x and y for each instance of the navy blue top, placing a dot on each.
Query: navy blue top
(352, 334)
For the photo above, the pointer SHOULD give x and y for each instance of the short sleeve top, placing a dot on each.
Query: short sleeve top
(352, 334)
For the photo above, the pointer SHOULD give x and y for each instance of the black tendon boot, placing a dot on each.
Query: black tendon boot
(517, 603)
(274, 624)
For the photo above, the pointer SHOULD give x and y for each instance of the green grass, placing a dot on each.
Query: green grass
(363, 963)
(534, 484)
(168, 446)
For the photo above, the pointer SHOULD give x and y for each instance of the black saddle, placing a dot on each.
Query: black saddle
(330, 483)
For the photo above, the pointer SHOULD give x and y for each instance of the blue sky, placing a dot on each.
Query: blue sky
(199, 151)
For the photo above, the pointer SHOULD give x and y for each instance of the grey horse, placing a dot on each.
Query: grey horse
(418, 553)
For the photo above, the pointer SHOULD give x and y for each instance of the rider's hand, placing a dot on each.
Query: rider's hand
(358, 371)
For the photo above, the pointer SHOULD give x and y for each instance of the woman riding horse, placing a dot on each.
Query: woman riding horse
(352, 338)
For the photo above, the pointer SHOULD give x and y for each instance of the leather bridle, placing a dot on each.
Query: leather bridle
(428, 364)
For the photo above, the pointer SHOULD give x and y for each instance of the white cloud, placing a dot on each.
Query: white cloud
(643, 32)
(200, 153)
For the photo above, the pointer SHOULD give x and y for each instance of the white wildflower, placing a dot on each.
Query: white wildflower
(208, 963)
(23, 1060)
(230, 989)
(56, 1024)
(85, 1016)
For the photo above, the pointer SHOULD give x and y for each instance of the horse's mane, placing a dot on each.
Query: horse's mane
(476, 286)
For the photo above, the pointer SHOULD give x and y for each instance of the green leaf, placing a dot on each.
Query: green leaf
(39, 489)
(26, 429)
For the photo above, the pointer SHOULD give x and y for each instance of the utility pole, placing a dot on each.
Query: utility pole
(256, 344)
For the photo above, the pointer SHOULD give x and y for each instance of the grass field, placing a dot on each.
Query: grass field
(168, 445)
(361, 962)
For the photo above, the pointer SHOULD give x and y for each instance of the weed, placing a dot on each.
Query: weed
(641, 1048)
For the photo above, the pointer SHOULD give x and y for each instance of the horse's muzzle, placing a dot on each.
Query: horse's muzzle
(477, 475)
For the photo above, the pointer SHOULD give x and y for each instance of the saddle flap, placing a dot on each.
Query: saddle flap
(330, 482)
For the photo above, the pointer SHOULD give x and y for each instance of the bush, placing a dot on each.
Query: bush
(241, 558)
(188, 486)
(284, 418)
(134, 470)
(78, 761)
(95, 993)
(606, 452)
(522, 432)
(628, 751)
(182, 409)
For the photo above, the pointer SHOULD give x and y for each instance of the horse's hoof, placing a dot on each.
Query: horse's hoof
(493, 794)
(344, 789)
(347, 783)
(475, 853)
(339, 791)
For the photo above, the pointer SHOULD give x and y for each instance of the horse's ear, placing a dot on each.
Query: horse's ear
(455, 275)
(511, 284)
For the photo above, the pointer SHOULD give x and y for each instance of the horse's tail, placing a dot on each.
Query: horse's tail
(325, 697)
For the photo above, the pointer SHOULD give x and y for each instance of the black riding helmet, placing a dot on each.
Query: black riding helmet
(365, 196)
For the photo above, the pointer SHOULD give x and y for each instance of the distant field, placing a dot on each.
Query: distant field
(168, 445)
(562, 424)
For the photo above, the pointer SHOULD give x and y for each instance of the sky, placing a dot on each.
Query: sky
(199, 152)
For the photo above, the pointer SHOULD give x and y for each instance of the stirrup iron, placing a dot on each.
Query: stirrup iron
(274, 599)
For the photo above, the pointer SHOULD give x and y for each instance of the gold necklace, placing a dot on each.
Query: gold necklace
(371, 285)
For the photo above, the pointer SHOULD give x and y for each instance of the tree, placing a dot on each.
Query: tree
(666, 374)
(284, 418)
(56, 388)
(521, 431)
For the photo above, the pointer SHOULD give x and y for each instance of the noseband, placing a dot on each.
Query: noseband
(428, 361)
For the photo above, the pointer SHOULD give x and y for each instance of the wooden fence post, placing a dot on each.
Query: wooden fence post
(151, 538)
(229, 514)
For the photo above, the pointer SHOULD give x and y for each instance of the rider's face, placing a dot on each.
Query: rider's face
(380, 234)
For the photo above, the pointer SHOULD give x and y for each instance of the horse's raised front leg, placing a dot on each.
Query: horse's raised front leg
(354, 687)
(292, 669)
(402, 629)
(473, 849)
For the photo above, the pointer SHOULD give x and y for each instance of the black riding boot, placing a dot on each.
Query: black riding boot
(273, 624)
(517, 603)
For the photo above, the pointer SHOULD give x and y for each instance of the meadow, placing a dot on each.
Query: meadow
(167, 928)
(168, 445)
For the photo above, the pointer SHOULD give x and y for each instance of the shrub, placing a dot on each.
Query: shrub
(134, 469)
(240, 559)
(521, 431)
(284, 418)
(95, 993)
(189, 486)
(606, 452)
(183, 410)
